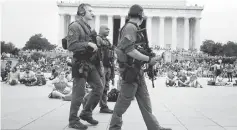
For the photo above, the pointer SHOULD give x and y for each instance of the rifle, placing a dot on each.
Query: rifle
(148, 51)
(112, 67)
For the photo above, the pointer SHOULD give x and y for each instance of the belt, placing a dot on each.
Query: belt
(124, 64)
(79, 56)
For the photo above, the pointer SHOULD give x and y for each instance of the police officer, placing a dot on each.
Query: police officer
(133, 82)
(83, 68)
(107, 57)
(105, 50)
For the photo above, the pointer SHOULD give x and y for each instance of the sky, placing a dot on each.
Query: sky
(20, 19)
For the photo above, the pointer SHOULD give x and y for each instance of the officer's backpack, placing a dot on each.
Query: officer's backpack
(113, 95)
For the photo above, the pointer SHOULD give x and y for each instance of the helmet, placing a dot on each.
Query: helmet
(135, 11)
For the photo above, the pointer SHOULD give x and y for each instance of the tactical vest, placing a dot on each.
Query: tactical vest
(107, 51)
(124, 58)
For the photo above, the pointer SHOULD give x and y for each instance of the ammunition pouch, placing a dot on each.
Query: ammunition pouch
(108, 58)
(130, 73)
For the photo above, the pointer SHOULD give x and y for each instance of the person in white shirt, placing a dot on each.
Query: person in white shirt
(13, 77)
(171, 80)
(193, 82)
(61, 87)
(28, 78)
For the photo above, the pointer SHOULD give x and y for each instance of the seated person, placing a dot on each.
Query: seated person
(219, 81)
(5, 71)
(28, 78)
(3, 74)
(183, 80)
(235, 84)
(61, 87)
(40, 78)
(54, 74)
(68, 76)
(13, 77)
(193, 82)
(171, 79)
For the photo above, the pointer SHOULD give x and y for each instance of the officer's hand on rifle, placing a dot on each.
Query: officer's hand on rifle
(154, 60)
(93, 45)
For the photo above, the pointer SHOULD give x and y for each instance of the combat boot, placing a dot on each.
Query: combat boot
(106, 110)
(78, 125)
(89, 119)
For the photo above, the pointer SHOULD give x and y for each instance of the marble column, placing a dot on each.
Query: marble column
(97, 23)
(174, 33)
(122, 21)
(162, 32)
(197, 33)
(66, 24)
(61, 29)
(72, 18)
(149, 29)
(186, 33)
(111, 27)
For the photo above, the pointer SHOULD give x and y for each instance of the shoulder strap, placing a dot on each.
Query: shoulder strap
(125, 25)
(83, 27)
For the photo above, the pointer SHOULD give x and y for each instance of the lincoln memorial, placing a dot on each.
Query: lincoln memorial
(170, 23)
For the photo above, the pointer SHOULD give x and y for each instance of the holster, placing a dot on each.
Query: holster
(130, 73)
(80, 69)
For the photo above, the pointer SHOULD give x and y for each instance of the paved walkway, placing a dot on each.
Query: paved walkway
(209, 108)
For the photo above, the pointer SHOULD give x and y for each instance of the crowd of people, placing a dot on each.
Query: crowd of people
(186, 73)
(178, 73)
(95, 70)
(34, 73)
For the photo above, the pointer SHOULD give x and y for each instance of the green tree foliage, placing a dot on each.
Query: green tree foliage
(230, 49)
(207, 46)
(37, 42)
(218, 49)
(9, 48)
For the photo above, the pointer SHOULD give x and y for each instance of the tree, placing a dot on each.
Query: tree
(207, 47)
(217, 49)
(37, 42)
(15, 51)
(9, 48)
(230, 49)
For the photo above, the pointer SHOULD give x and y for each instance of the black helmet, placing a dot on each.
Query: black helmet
(135, 11)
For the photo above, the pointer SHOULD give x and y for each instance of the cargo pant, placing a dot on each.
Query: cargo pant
(127, 93)
(78, 93)
(105, 79)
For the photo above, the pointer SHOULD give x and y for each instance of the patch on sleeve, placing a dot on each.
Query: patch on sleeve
(70, 33)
